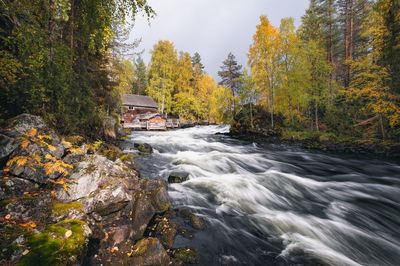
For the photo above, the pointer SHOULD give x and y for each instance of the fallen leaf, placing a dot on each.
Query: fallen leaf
(114, 249)
(32, 132)
(68, 234)
(26, 251)
(29, 225)
(8, 217)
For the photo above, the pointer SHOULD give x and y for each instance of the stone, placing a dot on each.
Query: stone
(96, 173)
(164, 229)
(197, 222)
(52, 247)
(194, 220)
(15, 187)
(149, 251)
(144, 148)
(45, 142)
(178, 177)
(157, 190)
(187, 255)
(7, 146)
(142, 212)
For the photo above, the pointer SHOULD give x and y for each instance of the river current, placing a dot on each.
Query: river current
(276, 205)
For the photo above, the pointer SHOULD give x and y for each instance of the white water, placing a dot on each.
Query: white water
(272, 205)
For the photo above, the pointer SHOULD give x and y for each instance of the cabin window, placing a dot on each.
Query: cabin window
(131, 108)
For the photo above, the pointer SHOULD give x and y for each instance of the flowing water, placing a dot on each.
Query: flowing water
(276, 205)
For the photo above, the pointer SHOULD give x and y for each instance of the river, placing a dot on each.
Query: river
(276, 205)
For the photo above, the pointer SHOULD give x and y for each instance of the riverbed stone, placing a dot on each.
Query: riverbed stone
(178, 177)
(187, 255)
(157, 191)
(144, 148)
(149, 251)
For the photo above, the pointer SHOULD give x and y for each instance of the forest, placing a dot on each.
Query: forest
(336, 74)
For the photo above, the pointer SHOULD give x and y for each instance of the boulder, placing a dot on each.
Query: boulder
(15, 187)
(63, 243)
(187, 255)
(96, 173)
(144, 148)
(29, 145)
(194, 220)
(166, 231)
(7, 146)
(178, 177)
(149, 251)
(142, 212)
(157, 191)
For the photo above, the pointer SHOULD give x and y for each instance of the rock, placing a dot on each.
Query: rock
(194, 220)
(7, 146)
(30, 141)
(30, 208)
(97, 173)
(62, 243)
(197, 222)
(144, 148)
(149, 251)
(157, 191)
(15, 187)
(165, 230)
(178, 177)
(187, 255)
(142, 212)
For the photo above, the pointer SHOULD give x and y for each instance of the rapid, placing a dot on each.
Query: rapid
(269, 204)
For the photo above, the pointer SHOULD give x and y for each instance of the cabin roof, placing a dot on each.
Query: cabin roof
(139, 101)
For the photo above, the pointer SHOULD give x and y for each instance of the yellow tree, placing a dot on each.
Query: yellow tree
(162, 75)
(265, 62)
(295, 76)
(205, 86)
(184, 99)
(219, 105)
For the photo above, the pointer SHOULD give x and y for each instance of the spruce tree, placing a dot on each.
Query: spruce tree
(230, 76)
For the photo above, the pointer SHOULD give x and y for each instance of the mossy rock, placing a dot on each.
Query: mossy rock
(187, 255)
(149, 251)
(61, 208)
(53, 247)
(197, 222)
(9, 246)
(144, 148)
(166, 230)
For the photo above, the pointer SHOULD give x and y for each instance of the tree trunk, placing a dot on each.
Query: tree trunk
(382, 127)
(251, 116)
(349, 37)
(316, 117)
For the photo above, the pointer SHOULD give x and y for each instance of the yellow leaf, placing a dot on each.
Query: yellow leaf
(32, 132)
(68, 234)
(50, 157)
(51, 147)
(76, 150)
(25, 143)
(29, 225)
(22, 161)
(66, 144)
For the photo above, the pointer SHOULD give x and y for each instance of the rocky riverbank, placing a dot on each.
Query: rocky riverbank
(65, 202)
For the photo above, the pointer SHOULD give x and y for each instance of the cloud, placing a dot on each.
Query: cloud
(211, 27)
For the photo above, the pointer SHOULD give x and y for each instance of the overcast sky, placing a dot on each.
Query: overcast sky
(212, 28)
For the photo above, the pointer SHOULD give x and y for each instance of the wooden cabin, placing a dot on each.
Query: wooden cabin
(141, 112)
